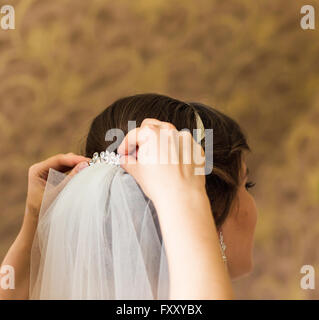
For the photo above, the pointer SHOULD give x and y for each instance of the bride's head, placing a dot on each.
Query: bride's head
(227, 186)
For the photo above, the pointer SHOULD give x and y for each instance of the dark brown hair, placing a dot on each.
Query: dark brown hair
(228, 140)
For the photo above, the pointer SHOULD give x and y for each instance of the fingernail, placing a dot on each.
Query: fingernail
(82, 166)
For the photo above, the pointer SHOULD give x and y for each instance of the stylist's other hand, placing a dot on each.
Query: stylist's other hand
(163, 160)
(38, 174)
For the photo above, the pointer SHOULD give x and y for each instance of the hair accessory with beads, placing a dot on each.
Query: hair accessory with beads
(105, 157)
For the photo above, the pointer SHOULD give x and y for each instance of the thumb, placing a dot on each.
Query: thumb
(79, 167)
(130, 164)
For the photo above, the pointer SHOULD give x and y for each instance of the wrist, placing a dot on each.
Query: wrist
(31, 211)
(184, 196)
(29, 227)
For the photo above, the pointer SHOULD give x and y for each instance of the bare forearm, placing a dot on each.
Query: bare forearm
(18, 257)
(192, 246)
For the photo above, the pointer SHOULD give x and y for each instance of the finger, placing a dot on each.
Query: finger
(62, 162)
(134, 139)
(156, 122)
(162, 129)
(129, 164)
(137, 136)
(129, 143)
(79, 167)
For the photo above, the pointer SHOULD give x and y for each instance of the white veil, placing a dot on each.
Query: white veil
(98, 237)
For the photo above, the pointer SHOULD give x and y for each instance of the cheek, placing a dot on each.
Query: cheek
(251, 212)
(251, 221)
(239, 233)
(247, 215)
(247, 219)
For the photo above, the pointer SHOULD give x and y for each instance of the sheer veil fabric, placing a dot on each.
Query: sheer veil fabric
(98, 237)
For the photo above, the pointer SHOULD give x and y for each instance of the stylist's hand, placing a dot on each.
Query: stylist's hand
(38, 174)
(163, 170)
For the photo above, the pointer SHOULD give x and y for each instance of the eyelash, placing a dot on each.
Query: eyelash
(249, 185)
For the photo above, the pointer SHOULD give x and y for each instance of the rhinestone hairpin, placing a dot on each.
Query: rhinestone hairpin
(105, 157)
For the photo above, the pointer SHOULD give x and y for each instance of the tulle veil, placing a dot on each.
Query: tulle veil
(98, 237)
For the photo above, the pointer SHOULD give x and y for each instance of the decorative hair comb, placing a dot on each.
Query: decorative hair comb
(105, 157)
(200, 127)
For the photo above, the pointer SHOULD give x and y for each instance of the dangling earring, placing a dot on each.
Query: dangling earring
(222, 246)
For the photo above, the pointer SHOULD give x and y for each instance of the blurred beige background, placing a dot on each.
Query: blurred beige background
(67, 60)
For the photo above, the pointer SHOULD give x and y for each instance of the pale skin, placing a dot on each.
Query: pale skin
(184, 212)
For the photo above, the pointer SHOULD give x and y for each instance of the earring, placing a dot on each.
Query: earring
(222, 246)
